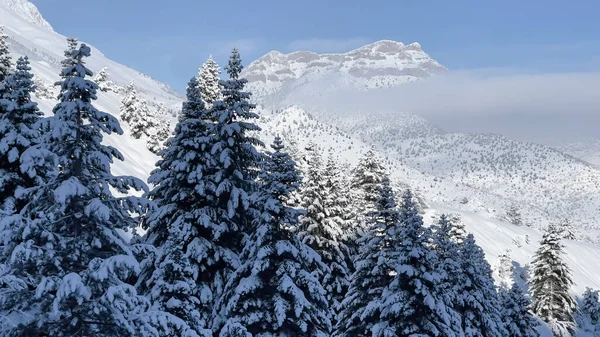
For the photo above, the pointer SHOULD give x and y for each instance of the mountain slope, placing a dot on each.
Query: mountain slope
(29, 34)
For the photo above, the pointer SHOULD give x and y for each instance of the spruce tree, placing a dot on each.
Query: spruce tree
(23, 166)
(102, 79)
(414, 304)
(19, 130)
(513, 214)
(136, 113)
(366, 182)
(320, 229)
(158, 134)
(516, 314)
(479, 302)
(448, 261)
(367, 177)
(178, 277)
(505, 269)
(589, 313)
(208, 81)
(339, 209)
(5, 57)
(276, 291)
(360, 309)
(568, 231)
(129, 103)
(72, 266)
(458, 233)
(68, 62)
(235, 149)
(550, 285)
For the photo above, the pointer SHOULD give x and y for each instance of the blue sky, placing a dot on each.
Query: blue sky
(169, 40)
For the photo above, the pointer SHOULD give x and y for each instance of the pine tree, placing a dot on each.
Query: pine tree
(320, 229)
(367, 177)
(68, 62)
(550, 285)
(338, 208)
(479, 302)
(514, 215)
(5, 57)
(275, 292)
(19, 130)
(135, 112)
(158, 135)
(448, 261)
(143, 122)
(129, 103)
(360, 310)
(516, 315)
(590, 310)
(238, 161)
(506, 269)
(568, 231)
(413, 303)
(458, 233)
(178, 276)
(72, 266)
(102, 79)
(208, 81)
(366, 182)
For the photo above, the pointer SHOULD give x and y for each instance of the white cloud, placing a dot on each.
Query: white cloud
(319, 45)
(515, 103)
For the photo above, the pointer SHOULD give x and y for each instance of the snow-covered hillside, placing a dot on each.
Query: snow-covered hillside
(474, 176)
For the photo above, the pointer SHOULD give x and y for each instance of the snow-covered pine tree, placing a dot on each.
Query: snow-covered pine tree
(179, 276)
(71, 268)
(589, 312)
(360, 310)
(567, 228)
(366, 178)
(102, 79)
(129, 103)
(480, 304)
(143, 121)
(321, 229)
(458, 233)
(448, 261)
(238, 161)
(136, 113)
(550, 285)
(157, 136)
(208, 80)
(339, 209)
(413, 303)
(505, 269)
(5, 57)
(19, 130)
(516, 314)
(67, 62)
(277, 291)
(513, 214)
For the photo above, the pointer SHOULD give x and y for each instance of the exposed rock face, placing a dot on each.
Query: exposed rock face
(380, 64)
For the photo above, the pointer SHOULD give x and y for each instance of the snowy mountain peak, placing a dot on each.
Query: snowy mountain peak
(383, 63)
(26, 10)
